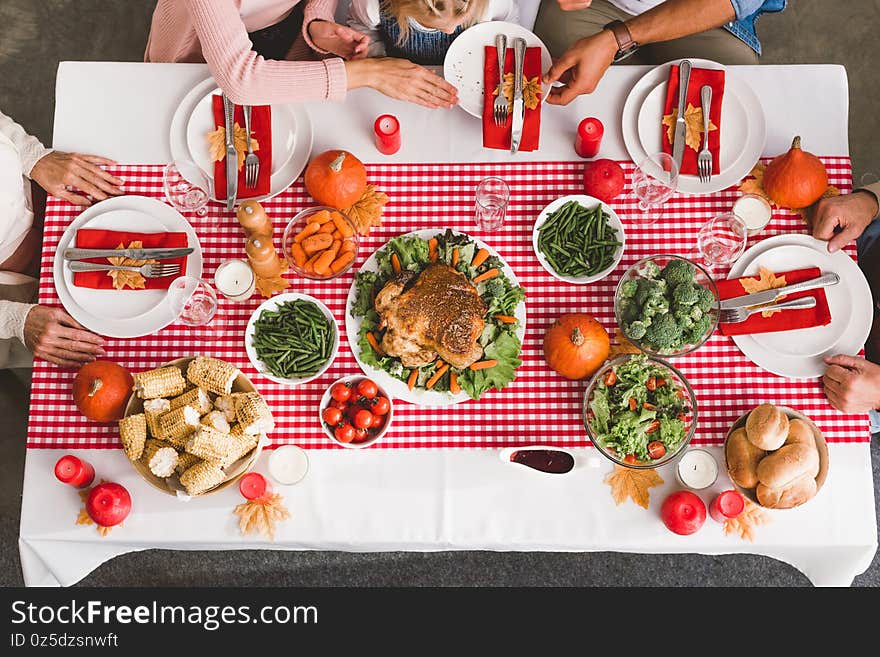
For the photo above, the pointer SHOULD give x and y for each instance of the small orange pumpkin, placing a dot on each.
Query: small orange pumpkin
(796, 179)
(336, 178)
(576, 345)
(101, 389)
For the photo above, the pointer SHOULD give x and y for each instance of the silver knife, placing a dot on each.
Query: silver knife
(516, 128)
(769, 296)
(231, 153)
(134, 254)
(678, 143)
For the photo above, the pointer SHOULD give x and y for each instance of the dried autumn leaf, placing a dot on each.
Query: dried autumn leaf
(767, 280)
(755, 184)
(634, 484)
(132, 279)
(84, 518)
(693, 119)
(746, 522)
(271, 286)
(622, 345)
(367, 212)
(217, 143)
(260, 516)
(531, 91)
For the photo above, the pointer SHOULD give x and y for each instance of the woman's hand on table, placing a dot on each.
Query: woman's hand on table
(852, 384)
(849, 214)
(58, 172)
(53, 335)
(581, 67)
(403, 80)
(339, 39)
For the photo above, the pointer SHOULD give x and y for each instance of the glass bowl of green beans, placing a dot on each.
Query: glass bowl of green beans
(291, 339)
(578, 239)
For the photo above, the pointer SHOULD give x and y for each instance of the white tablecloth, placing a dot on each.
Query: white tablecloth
(432, 499)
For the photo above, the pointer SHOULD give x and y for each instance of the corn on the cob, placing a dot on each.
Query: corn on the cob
(133, 434)
(152, 446)
(211, 445)
(201, 477)
(153, 408)
(236, 430)
(162, 382)
(216, 420)
(244, 443)
(175, 426)
(197, 398)
(212, 374)
(253, 414)
(226, 403)
(185, 461)
(163, 462)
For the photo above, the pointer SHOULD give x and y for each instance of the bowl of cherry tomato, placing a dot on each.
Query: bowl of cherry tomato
(355, 412)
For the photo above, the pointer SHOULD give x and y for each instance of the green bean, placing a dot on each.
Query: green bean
(294, 340)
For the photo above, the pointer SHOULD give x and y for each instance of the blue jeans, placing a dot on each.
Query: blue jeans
(868, 246)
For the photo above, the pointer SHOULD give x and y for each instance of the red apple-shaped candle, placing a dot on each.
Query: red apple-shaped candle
(108, 504)
(603, 179)
(683, 512)
(254, 486)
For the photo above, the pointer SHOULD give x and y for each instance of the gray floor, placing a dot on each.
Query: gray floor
(37, 34)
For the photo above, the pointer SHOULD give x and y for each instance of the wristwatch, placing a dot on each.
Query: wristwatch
(625, 44)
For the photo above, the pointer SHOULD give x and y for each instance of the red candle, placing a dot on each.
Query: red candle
(254, 486)
(387, 129)
(728, 504)
(683, 512)
(74, 471)
(589, 137)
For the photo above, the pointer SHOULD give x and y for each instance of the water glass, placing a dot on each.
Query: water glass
(654, 182)
(192, 301)
(492, 196)
(186, 187)
(722, 239)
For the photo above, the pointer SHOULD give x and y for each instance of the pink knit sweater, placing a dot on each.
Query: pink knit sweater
(214, 31)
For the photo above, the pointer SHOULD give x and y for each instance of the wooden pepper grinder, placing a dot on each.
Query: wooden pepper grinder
(253, 219)
(262, 256)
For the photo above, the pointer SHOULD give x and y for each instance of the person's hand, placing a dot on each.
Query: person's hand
(581, 67)
(58, 171)
(403, 80)
(339, 39)
(53, 335)
(852, 384)
(571, 5)
(850, 214)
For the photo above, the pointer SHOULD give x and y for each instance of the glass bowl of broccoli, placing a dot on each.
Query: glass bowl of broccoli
(666, 305)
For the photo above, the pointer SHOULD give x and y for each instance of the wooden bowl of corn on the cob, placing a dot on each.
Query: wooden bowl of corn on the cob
(194, 426)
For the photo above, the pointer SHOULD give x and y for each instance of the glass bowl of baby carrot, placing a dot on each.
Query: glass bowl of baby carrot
(320, 243)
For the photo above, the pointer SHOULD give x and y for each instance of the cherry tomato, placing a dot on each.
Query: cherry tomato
(611, 378)
(630, 458)
(652, 383)
(363, 419)
(332, 416)
(360, 435)
(656, 449)
(633, 403)
(682, 417)
(340, 392)
(653, 427)
(367, 388)
(381, 406)
(345, 433)
(649, 407)
(341, 405)
(378, 421)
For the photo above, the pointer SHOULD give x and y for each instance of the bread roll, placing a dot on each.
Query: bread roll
(742, 459)
(800, 433)
(787, 464)
(801, 490)
(767, 427)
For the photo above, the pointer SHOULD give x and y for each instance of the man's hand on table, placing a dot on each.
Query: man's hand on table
(852, 384)
(581, 67)
(403, 80)
(850, 213)
(339, 39)
(53, 335)
(58, 171)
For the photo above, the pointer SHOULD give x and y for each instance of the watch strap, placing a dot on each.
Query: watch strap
(625, 44)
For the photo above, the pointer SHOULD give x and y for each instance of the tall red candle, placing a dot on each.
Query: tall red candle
(387, 129)
(589, 137)
(74, 471)
(253, 486)
(728, 504)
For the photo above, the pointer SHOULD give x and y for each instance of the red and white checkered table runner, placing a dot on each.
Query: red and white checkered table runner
(539, 407)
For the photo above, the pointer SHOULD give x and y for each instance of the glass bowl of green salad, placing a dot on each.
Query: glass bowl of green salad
(666, 305)
(640, 411)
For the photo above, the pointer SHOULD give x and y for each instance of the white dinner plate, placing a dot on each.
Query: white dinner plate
(463, 65)
(849, 302)
(123, 313)
(397, 388)
(743, 127)
(291, 137)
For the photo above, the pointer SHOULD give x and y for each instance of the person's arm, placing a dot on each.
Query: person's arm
(363, 16)
(12, 316)
(49, 333)
(852, 384)
(841, 219)
(29, 148)
(317, 10)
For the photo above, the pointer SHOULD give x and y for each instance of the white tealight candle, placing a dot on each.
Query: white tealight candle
(288, 464)
(235, 280)
(754, 211)
(697, 469)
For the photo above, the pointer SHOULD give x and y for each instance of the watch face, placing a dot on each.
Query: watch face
(623, 54)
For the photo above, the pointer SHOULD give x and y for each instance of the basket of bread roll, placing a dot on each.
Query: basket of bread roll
(776, 456)
(194, 426)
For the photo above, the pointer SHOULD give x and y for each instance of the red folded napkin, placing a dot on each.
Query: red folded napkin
(90, 238)
(499, 136)
(261, 130)
(786, 320)
(699, 78)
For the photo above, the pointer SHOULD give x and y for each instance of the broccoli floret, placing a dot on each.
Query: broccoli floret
(663, 333)
(648, 289)
(705, 299)
(656, 305)
(696, 332)
(677, 272)
(635, 330)
(629, 310)
(494, 287)
(696, 312)
(685, 294)
(629, 288)
(683, 316)
(650, 269)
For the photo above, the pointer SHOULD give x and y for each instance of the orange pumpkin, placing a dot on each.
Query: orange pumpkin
(576, 345)
(336, 178)
(796, 179)
(101, 389)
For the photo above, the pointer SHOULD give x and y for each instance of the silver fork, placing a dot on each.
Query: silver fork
(704, 161)
(737, 315)
(251, 162)
(499, 107)
(158, 270)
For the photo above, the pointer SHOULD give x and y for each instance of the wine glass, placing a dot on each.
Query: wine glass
(491, 200)
(654, 182)
(192, 301)
(722, 240)
(186, 187)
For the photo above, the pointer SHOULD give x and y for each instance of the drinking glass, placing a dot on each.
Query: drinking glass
(186, 187)
(654, 182)
(722, 240)
(492, 196)
(192, 300)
